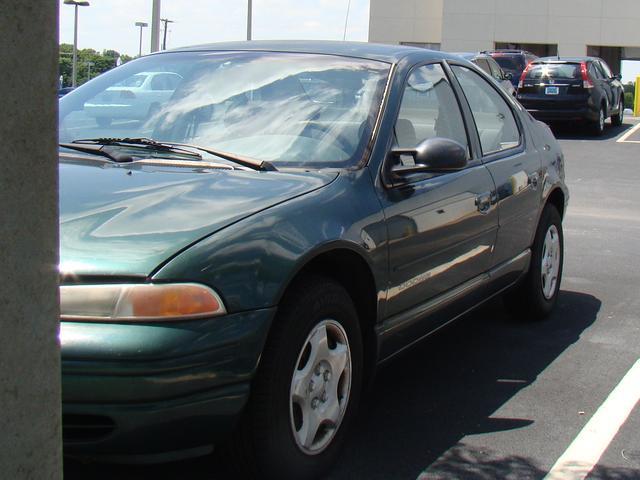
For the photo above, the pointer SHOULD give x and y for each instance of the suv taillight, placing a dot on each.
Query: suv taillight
(524, 75)
(586, 80)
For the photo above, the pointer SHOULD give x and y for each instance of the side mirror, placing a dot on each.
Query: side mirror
(508, 76)
(435, 155)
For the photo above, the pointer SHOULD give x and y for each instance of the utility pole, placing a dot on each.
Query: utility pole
(164, 37)
(155, 26)
(249, 14)
(89, 70)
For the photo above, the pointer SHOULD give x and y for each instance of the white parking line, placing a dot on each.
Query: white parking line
(623, 138)
(587, 448)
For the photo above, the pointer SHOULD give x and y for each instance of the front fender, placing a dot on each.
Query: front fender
(250, 263)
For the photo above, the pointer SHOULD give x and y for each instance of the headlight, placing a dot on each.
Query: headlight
(138, 302)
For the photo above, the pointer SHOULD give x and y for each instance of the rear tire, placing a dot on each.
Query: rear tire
(535, 297)
(618, 118)
(302, 387)
(597, 127)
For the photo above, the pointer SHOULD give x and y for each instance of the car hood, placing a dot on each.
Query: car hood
(126, 220)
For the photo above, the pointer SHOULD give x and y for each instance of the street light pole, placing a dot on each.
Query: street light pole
(74, 65)
(141, 25)
(89, 70)
(249, 15)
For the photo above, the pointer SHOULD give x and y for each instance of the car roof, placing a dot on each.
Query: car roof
(371, 51)
(566, 59)
(471, 55)
(509, 52)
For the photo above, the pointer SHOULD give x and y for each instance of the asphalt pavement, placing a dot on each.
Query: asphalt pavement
(490, 397)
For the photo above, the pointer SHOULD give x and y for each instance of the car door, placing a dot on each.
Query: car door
(611, 82)
(441, 226)
(603, 90)
(514, 165)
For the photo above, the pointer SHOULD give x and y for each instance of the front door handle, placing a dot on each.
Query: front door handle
(483, 203)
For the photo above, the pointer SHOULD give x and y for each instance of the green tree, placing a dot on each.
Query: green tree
(101, 62)
(629, 93)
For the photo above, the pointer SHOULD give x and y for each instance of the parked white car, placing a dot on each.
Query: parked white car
(135, 98)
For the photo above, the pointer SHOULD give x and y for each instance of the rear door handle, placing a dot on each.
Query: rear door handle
(483, 202)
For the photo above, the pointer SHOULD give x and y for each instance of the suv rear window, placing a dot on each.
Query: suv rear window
(554, 70)
(512, 64)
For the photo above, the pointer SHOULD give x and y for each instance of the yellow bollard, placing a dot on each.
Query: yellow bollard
(636, 101)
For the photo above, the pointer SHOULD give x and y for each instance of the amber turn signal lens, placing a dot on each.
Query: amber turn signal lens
(172, 301)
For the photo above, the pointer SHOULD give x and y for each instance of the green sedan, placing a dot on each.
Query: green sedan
(288, 215)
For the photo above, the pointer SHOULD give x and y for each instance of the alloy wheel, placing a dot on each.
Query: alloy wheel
(601, 120)
(320, 387)
(550, 262)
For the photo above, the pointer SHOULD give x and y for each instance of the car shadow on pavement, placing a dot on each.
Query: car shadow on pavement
(423, 402)
(580, 131)
(469, 463)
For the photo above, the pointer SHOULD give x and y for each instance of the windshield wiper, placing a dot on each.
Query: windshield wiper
(253, 163)
(168, 147)
(102, 145)
(101, 150)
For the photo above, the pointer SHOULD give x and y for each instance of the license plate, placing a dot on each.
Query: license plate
(552, 91)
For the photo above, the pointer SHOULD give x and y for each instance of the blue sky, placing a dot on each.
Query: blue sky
(109, 24)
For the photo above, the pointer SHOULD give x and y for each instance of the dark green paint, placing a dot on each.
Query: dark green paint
(247, 234)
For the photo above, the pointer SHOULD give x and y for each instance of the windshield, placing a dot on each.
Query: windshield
(298, 110)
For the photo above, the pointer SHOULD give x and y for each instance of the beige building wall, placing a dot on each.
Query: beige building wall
(414, 21)
(472, 25)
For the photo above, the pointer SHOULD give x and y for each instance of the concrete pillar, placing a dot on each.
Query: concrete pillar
(30, 432)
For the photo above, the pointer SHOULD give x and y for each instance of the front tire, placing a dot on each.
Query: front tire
(535, 297)
(305, 393)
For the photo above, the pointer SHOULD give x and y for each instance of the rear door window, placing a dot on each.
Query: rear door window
(606, 71)
(512, 64)
(595, 72)
(429, 109)
(483, 64)
(494, 119)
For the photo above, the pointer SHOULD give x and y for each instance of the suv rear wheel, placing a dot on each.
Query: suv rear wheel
(307, 388)
(597, 127)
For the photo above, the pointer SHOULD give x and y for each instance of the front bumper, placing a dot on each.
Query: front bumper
(148, 389)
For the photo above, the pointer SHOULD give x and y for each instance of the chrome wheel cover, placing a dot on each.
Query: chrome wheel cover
(601, 120)
(621, 110)
(551, 258)
(320, 387)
